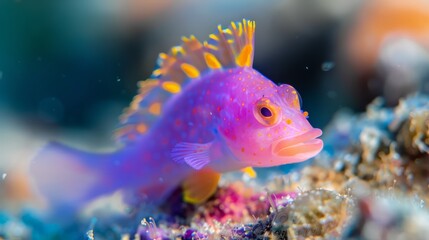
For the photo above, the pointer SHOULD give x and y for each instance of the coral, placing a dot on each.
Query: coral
(313, 214)
(387, 148)
(234, 203)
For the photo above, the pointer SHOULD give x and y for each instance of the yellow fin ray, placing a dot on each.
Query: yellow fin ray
(190, 70)
(244, 58)
(212, 61)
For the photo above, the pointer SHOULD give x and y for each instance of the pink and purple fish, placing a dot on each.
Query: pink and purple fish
(203, 112)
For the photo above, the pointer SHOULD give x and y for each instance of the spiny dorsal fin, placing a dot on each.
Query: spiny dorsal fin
(229, 48)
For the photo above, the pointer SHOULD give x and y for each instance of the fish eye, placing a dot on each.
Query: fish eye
(266, 112)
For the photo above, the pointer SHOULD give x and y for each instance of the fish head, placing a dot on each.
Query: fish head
(267, 127)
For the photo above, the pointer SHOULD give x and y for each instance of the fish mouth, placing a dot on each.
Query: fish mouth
(299, 148)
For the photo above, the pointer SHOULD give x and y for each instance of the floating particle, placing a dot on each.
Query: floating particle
(3, 176)
(327, 66)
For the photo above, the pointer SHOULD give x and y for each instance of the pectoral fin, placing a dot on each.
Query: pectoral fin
(195, 155)
(201, 185)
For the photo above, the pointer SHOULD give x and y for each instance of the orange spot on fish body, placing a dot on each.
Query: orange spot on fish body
(155, 108)
(131, 137)
(141, 128)
(305, 113)
(288, 121)
(168, 168)
(164, 141)
(178, 122)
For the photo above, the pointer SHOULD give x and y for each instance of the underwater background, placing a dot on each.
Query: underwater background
(69, 68)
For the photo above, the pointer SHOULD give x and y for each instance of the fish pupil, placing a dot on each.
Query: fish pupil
(266, 112)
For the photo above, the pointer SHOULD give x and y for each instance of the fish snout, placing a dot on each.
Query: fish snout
(300, 147)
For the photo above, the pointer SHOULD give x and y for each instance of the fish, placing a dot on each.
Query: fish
(204, 111)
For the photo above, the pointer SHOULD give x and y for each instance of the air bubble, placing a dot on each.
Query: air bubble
(327, 66)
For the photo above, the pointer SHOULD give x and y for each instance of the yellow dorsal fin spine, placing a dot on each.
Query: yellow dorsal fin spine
(227, 31)
(212, 61)
(227, 48)
(214, 37)
(190, 71)
(240, 29)
(233, 26)
(244, 58)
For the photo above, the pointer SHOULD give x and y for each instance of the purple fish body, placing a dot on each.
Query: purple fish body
(203, 112)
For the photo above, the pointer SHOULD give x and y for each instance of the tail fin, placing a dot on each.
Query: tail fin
(69, 178)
